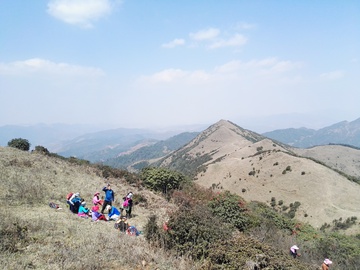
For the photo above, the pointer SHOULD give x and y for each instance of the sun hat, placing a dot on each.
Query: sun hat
(327, 261)
(129, 195)
(83, 203)
(77, 194)
(97, 193)
(295, 247)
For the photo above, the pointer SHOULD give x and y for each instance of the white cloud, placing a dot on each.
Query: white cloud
(42, 66)
(173, 43)
(232, 71)
(245, 26)
(207, 34)
(168, 75)
(80, 12)
(334, 75)
(235, 41)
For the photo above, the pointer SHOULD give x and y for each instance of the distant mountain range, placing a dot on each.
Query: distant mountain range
(344, 132)
(140, 157)
(132, 148)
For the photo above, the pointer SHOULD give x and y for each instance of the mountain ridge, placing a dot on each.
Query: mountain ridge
(343, 132)
(228, 157)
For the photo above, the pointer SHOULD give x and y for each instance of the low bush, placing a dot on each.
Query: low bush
(243, 252)
(192, 231)
(232, 209)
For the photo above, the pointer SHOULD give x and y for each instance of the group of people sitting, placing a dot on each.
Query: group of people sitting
(78, 205)
(294, 252)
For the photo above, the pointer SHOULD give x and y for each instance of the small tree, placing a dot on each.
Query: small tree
(19, 143)
(161, 179)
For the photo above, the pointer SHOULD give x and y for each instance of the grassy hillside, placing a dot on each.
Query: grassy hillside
(208, 230)
(35, 236)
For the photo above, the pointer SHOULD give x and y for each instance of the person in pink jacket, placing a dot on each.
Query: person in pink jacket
(96, 200)
(294, 251)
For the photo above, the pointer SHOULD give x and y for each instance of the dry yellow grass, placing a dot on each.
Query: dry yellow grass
(45, 238)
(324, 194)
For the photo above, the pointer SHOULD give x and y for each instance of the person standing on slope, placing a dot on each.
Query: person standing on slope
(294, 251)
(326, 264)
(109, 197)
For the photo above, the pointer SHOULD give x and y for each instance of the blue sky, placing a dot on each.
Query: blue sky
(260, 64)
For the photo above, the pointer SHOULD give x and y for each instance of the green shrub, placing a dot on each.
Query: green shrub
(232, 209)
(243, 252)
(162, 179)
(341, 248)
(41, 150)
(192, 230)
(151, 230)
(19, 143)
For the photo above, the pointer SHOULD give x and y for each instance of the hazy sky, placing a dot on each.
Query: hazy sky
(260, 64)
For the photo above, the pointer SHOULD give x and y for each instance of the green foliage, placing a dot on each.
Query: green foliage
(243, 252)
(41, 150)
(265, 214)
(151, 230)
(78, 161)
(341, 248)
(343, 225)
(231, 208)
(273, 202)
(193, 230)
(162, 179)
(19, 143)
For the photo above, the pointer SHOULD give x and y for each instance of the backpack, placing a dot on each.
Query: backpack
(121, 225)
(69, 196)
(53, 205)
(126, 203)
(132, 231)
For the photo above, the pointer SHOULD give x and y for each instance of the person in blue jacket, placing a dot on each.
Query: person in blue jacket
(114, 213)
(109, 197)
